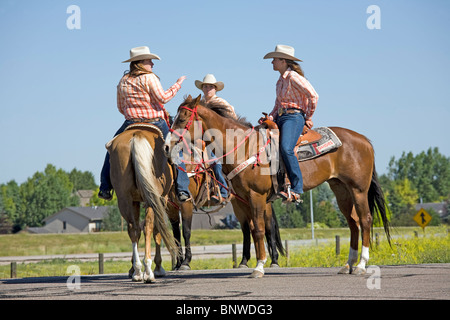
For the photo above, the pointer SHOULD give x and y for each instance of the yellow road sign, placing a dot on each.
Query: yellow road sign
(422, 218)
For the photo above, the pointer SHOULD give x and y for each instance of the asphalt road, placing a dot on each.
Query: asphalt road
(423, 282)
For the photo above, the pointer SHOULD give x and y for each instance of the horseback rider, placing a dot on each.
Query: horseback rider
(141, 98)
(210, 86)
(294, 106)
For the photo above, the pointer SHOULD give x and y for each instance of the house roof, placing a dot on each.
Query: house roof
(439, 207)
(90, 213)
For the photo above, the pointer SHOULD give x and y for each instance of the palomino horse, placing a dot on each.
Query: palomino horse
(139, 174)
(349, 170)
(274, 243)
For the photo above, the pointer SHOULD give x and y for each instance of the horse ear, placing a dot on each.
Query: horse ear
(189, 98)
(197, 100)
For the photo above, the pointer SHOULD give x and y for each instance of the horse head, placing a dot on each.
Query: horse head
(182, 131)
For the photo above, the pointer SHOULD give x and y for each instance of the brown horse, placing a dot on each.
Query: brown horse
(350, 171)
(138, 174)
(197, 181)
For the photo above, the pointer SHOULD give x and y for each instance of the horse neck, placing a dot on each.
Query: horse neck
(211, 120)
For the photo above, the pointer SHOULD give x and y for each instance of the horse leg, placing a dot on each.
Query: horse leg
(149, 276)
(186, 217)
(345, 203)
(174, 218)
(130, 212)
(240, 211)
(365, 219)
(245, 227)
(258, 207)
(272, 236)
(159, 270)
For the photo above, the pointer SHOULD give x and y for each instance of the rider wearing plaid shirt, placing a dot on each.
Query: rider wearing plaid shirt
(294, 106)
(141, 98)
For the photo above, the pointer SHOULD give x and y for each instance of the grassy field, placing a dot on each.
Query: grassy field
(431, 247)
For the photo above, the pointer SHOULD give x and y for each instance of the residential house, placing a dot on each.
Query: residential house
(73, 220)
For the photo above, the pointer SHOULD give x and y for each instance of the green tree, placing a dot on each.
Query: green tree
(44, 194)
(10, 201)
(288, 214)
(113, 220)
(82, 180)
(428, 172)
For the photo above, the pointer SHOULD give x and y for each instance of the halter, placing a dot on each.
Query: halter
(187, 127)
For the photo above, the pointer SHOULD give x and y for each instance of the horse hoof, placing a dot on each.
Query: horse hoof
(149, 280)
(256, 274)
(159, 273)
(359, 271)
(274, 265)
(243, 266)
(137, 278)
(345, 270)
(184, 267)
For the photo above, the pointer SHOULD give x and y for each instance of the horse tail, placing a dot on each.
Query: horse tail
(377, 203)
(276, 233)
(142, 156)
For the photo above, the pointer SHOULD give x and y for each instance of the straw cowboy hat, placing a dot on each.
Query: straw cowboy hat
(284, 52)
(209, 79)
(141, 53)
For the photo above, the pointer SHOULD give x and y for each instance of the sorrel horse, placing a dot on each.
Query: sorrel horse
(349, 170)
(138, 174)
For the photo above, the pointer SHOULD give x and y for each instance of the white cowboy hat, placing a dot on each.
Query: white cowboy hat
(141, 53)
(284, 52)
(209, 79)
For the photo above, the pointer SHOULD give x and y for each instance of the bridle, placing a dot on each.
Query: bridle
(194, 115)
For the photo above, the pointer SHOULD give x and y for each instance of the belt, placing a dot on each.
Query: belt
(282, 111)
(145, 120)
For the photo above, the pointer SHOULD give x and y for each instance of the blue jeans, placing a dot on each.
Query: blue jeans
(217, 169)
(181, 181)
(291, 127)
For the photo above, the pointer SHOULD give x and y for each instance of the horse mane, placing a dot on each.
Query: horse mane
(220, 109)
(223, 111)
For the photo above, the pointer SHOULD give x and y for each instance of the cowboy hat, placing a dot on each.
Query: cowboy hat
(141, 53)
(284, 52)
(209, 79)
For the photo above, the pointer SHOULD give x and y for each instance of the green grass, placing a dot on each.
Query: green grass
(427, 248)
(24, 244)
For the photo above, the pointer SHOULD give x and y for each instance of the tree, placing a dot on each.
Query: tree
(428, 172)
(288, 215)
(113, 220)
(82, 180)
(44, 194)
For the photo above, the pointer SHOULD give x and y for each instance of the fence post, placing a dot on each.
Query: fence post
(100, 263)
(286, 246)
(233, 250)
(338, 245)
(14, 269)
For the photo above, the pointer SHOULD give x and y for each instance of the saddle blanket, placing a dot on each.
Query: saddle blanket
(328, 142)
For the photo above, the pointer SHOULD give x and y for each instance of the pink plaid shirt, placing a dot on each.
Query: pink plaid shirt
(143, 97)
(295, 92)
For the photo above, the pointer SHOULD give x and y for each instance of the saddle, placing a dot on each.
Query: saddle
(145, 126)
(311, 144)
(308, 136)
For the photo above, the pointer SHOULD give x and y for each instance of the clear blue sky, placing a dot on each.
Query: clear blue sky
(58, 86)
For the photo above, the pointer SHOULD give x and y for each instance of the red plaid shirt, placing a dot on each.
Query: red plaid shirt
(143, 96)
(294, 91)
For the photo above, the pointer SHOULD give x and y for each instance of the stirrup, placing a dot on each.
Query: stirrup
(290, 196)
